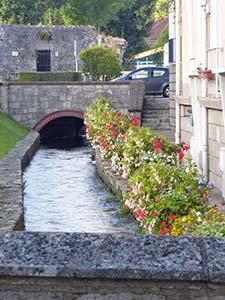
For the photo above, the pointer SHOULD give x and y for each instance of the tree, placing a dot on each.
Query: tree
(133, 25)
(101, 63)
(95, 12)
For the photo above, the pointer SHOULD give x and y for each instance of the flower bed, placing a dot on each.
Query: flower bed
(167, 194)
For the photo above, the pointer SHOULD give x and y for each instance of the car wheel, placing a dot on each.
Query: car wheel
(166, 91)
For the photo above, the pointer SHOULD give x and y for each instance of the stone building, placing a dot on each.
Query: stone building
(197, 31)
(47, 48)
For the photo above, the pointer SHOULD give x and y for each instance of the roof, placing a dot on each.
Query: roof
(156, 29)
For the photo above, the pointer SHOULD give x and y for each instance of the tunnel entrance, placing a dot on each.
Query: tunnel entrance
(63, 129)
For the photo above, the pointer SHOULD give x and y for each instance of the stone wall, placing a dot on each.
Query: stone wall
(216, 137)
(86, 266)
(11, 186)
(18, 44)
(28, 103)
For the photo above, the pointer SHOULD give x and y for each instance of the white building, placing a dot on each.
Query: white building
(197, 38)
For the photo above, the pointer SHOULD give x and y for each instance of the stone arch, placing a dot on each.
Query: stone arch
(58, 114)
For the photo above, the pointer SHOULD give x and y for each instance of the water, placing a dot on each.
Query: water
(63, 193)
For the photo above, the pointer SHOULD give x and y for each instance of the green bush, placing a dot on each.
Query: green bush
(50, 76)
(102, 63)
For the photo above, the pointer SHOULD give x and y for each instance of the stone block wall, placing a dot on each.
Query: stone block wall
(28, 103)
(11, 185)
(18, 44)
(216, 140)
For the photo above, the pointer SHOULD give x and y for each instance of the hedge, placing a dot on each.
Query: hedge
(50, 76)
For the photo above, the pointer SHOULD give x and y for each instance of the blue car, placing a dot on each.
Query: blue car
(156, 79)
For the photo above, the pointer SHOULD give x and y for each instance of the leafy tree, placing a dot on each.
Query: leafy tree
(20, 12)
(102, 63)
(95, 12)
(133, 25)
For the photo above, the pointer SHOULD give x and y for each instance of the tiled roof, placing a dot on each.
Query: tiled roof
(156, 29)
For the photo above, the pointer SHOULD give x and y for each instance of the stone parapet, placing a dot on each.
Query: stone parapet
(29, 103)
(11, 186)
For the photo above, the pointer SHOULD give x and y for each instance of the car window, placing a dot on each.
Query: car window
(158, 73)
(140, 74)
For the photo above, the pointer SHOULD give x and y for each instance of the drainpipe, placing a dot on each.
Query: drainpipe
(204, 89)
(222, 149)
(178, 69)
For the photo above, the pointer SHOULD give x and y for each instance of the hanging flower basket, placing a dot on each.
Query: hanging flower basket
(206, 74)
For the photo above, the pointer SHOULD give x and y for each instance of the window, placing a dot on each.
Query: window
(158, 73)
(140, 74)
(43, 60)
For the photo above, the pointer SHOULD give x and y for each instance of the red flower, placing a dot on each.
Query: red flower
(186, 147)
(135, 121)
(115, 133)
(155, 213)
(164, 224)
(180, 155)
(126, 206)
(124, 137)
(131, 189)
(156, 150)
(163, 232)
(156, 144)
(140, 214)
(171, 218)
(106, 116)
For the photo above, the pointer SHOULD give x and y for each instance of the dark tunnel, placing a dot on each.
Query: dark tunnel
(63, 129)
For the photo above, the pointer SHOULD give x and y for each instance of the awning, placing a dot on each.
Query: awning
(147, 53)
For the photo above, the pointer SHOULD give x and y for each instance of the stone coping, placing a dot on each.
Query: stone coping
(112, 256)
(94, 83)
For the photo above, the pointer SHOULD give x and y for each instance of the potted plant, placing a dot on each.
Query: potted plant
(205, 73)
(45, 35)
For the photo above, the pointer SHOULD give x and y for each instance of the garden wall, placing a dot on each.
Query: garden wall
(11, 185)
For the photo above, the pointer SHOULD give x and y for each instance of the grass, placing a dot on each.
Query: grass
(10, 133)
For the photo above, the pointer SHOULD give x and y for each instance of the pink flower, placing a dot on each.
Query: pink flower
(186, 147)
(156, 150)
(155, 213)
(109, 126)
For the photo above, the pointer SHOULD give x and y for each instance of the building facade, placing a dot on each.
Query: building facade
(48, 48)
(197, 34)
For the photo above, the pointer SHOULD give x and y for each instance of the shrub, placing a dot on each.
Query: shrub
(102, 63)
(49, 76)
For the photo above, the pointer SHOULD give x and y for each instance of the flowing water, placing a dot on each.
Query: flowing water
(63, 193)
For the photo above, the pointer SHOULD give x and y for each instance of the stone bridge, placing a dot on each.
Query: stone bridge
(58, 106)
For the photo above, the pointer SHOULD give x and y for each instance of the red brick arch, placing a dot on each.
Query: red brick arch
(56, 115)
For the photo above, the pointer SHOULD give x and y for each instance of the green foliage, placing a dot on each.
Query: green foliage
(133, 25)
(10, 133)
(102, 63)
(50, 76)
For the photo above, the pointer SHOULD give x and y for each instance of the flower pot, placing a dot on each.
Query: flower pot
(206, 74)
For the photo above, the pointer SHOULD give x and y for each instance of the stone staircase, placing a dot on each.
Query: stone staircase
(155, 113)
